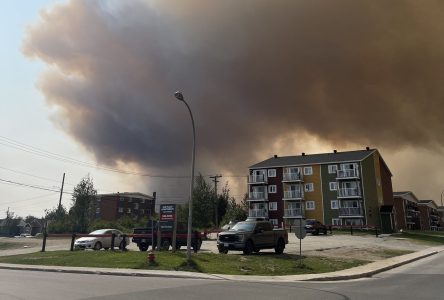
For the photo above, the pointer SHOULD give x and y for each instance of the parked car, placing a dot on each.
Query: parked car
(99, 242)
(315, 227)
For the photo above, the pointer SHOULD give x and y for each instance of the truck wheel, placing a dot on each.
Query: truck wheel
(223, 250)
(257, 250)
(143, 247)
(177, 247)
(165, 245)
(248, 247)
(280, 247)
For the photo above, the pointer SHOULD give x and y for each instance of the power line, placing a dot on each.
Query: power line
(32, 186)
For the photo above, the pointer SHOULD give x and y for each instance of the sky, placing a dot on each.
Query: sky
(87, 88)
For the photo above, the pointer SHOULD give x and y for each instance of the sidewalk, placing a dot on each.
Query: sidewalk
(353, 273)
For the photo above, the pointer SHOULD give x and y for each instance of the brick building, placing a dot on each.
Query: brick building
(407, 211)
(111, 207)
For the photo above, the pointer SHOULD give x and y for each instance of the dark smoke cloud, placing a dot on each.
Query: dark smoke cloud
(361, 72)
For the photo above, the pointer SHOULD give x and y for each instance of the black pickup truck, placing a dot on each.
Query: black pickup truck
(147, 236)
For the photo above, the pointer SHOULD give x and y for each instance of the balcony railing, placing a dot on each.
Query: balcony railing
(351, 211)
(293, 213)
(293, 194)
(258, 213)
(257, 179)
(257, 196)
(348, 173)
(349, 192)
(292, 177)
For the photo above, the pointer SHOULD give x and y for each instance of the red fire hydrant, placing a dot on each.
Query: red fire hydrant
(151, 257)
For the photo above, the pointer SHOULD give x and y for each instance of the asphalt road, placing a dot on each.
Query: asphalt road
(422, 279)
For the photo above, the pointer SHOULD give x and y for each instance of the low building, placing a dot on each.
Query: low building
(407, 211)
(111, 207)
(429, 215)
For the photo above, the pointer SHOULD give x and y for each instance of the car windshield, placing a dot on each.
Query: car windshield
(310, 222)
(243, 226)
(100, 231)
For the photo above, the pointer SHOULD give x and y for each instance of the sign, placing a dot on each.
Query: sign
(167, 212)
(166, 226)
(299, 229)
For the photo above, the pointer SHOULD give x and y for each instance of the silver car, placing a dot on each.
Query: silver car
(97, 243)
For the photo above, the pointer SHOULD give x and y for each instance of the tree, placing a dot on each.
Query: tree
(235, 211)
(83, 201)
(58, 220)
(203, 204)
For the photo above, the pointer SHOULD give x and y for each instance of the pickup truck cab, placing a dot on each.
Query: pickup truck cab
(252, 236)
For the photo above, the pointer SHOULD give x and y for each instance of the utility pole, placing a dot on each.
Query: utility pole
(61, 193)
(215, 177)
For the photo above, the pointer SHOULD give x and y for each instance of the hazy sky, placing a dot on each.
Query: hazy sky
(93, 82)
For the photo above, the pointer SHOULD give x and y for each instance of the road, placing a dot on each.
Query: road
(422, 279)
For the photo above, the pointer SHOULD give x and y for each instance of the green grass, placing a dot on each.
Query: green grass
(257, 264)
(387, 253)
(426, 237)
(4, 246)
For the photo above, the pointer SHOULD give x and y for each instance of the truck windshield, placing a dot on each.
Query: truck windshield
(243, 226)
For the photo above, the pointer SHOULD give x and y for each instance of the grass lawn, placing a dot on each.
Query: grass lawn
(256, 264)
(427, 237)
(4, 246)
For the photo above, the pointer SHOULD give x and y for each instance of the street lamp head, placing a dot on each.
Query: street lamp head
(179, 96)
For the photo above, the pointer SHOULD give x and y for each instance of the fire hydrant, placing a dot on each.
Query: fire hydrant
(151, 258)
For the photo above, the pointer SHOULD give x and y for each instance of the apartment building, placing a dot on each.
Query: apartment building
(338, 188)
(429, 215)
(112, 207)
(407, 211)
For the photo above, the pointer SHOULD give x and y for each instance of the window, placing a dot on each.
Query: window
(130, 200)
(272, 189)
(308, 170)
(98, 210)
(120, 209)
(128, 210)
(272, 206)
(336, 222)
(334, 204)
(309, 187)
(332, 169)
(122, 199)
(274, 222)
(309, 205)
(272, 173)
(333, 186)
(136, 205)
(142, 211)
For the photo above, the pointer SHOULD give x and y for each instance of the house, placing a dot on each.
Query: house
(430, 219)
(337, 188)
(407, 211)
(111, 207)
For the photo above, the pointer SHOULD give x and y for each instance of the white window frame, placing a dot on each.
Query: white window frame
(309, 187)
(97, 210)
(272, 206)
(128, 210)
(272, 189)
(310, 205)
(333, 186)
(274, 222)
(120, 210)
(308, 170)
(334, 204)
(332, 169)
(136, 205)
(271, 172)
(336, 222)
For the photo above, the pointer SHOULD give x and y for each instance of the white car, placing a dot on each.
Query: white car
(97, 243)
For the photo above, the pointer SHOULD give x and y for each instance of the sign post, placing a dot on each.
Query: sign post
(168, 221)
(300, 233)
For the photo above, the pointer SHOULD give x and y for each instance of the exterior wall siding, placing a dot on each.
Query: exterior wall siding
(316, 195)
(328, 195)
(370, 192)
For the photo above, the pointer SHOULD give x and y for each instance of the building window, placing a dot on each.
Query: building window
(272, 206)
(98, 199)
(272, 189)
(120, 209)
(332, 169)
(143, 201)
(309, 205)
(98, 210)
(274, 222)
(128, 210)
(136, 205)
(309, 187)
(334, 204)
(130, 199)
(122, 199)
(333, 186)
(142, 211)
(308, 170)
(272, 173)
(336, 222)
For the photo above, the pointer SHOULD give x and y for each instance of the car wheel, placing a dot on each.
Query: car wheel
(143, 247)
(249, 247)
(316, 232)
(106, 248)
(165, 245)
(325, 231)
(97, 246)
(280, 247)
(177, 247)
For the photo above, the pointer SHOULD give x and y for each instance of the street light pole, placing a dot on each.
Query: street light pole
(180, 97)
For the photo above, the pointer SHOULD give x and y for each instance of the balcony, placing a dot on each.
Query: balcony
(351, 211)
(257, 179)
(347, 174)
(293, 213)
(289, 177)
(258, 213)
(257, 196)
(349, 193)
(293, 195)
